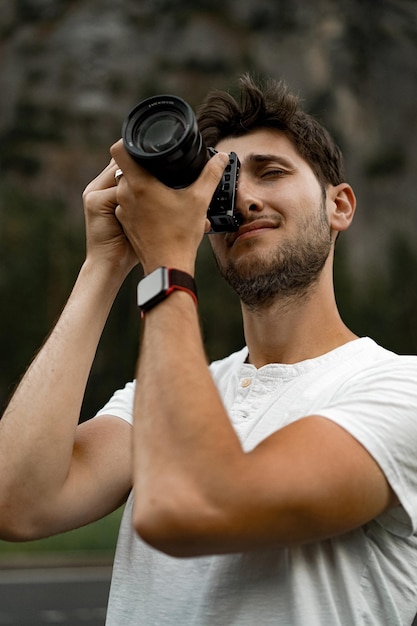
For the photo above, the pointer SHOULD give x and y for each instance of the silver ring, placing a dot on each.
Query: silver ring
(118, 175)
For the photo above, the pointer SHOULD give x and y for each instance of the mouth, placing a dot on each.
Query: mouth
(250, 229)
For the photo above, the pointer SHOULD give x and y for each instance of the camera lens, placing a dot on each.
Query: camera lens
(159, 133)
(162, 135)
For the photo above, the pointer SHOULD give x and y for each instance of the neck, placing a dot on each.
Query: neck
(296, 329)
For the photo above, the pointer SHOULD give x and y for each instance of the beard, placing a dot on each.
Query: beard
(288, 272)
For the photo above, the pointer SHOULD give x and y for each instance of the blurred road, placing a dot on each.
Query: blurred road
(72, 596)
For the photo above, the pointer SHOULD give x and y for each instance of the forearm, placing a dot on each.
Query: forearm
(197, 492)
(184, 444)
(180, 425)
(38, 427)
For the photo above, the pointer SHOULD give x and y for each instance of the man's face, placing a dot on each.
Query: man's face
(285, 237)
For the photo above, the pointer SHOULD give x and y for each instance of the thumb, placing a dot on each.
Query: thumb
(214, 169)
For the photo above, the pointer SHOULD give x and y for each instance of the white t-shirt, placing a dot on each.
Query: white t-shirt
(366, 577)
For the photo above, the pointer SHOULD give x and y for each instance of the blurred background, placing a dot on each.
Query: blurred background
(70, 70)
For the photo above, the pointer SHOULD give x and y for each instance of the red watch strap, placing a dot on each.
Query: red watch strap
(179, 280)
(172, 280)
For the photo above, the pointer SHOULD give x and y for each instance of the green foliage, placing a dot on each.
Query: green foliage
(388, 161)
(98, 538)
(219, 308)
(383, 305)
(40, 10)
(41, 250)
(39, 254)
(391, 307)
(33, 125)
(116, 355)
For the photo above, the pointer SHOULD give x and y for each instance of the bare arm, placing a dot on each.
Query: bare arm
(47, 463)
(196, 491)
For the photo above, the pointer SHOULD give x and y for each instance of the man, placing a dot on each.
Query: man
(277, 486)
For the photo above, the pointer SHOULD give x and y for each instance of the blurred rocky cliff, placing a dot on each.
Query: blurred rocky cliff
(71, 69)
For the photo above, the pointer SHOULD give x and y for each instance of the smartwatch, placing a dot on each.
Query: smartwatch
(160, 283)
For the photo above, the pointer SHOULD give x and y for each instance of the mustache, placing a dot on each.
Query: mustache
(257, 221)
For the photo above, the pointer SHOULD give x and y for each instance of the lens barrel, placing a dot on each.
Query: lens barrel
(162, 135)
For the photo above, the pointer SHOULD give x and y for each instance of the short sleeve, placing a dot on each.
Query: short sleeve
(379, 409)
(121, 403)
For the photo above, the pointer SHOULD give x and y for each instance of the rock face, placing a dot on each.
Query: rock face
(71, 69)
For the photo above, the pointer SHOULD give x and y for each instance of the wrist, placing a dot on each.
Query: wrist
(103, 275)
(116, 270)
(179, 264)
(160, 284)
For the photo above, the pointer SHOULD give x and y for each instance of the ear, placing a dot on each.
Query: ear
(341, 206)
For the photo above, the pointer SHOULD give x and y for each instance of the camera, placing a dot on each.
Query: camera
(161, 134)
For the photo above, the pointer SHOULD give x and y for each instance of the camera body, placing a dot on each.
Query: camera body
(161, 134)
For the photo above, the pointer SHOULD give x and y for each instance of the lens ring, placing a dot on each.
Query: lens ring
(151, 108)
(160, 132)
(177, 156)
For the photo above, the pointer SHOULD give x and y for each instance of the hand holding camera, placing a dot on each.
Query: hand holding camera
(161, 134)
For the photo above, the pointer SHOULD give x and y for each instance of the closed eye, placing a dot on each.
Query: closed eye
(273, 173)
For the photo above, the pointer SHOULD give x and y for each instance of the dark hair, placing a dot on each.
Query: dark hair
(271, 105)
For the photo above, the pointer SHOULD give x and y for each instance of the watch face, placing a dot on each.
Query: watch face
(152, 286)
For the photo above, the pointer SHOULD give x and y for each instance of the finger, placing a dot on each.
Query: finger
(117, 176)
(127, 164)
(214, 169)
(105, 179)
(101, 200)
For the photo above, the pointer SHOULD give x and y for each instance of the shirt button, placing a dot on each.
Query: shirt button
(246, 382)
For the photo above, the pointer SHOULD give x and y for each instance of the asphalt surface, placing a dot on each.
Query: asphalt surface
(71, 596)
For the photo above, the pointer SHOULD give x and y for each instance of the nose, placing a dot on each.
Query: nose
(247, 200)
